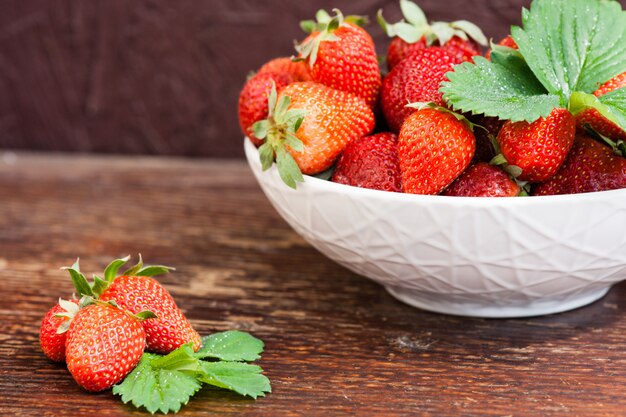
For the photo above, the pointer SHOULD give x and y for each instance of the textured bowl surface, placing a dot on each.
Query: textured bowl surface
(483, 257)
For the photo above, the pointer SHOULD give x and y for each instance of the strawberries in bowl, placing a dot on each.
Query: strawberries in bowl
(530, 125)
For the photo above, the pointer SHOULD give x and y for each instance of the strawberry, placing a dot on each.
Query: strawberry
(103, 345)
(53, 331)
(342, 55)
(590, 166)
(434, 147)
(308, 127)
(485, 151)
(416, 79)
(170, 329)
(462, 38)
(593, 119)
(298, 70)
(136, 292)
(253, 99)
(483, 180)
(538, 148)
(371, 162)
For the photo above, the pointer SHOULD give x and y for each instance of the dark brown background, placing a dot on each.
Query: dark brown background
(160, 77)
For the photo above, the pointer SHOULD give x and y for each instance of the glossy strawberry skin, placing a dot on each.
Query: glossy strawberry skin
(253, 99)
(170, 329)
(590, 166)
(349, 64)
(104, 344)
(297, 70)
(52, 343)
(538, 148)
(399, 49)
(483, 180)
(598, 122)
(434, 148)
(415, 79)
(371, 162)
(335, 118)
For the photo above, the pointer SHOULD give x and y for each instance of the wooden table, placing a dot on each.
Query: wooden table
(336, 343)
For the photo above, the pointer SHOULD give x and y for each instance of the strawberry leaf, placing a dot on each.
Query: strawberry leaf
(243, 378)
(110, 272)
(232, 345)
(81, 284)
(573, 45)
(157, 388)
(506, 89)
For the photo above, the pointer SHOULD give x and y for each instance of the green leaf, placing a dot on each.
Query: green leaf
(145, 314)
(472, 30)
(271, 99)
(281, 108)
(243, 378)
(612, 105)
(506, 90)
(573, 45)
(260, 129)
(181, 359)
(308, 26)
(80, 282)
(232, 345)
(442, 31)
(407, 32)
(293, 142)
(157, 389)
(99, 286)
(111, 270)
(133, 270)
(266, 154)
(413, 13)
(288, 169)
(153, 270)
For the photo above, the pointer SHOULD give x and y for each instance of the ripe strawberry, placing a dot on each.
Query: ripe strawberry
(483, 180)
(308, 128)
(253, 99)
(484, 146)
(53, 331)
(462, 38)
(298, 70)
(590, 166)
(599, 123)
(434, 148)
(103, 345)
(371, 162)
(416, 79)
(170, 329)
(342, 55)
(538, 148)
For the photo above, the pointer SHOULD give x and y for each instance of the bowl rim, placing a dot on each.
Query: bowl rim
(252, 153)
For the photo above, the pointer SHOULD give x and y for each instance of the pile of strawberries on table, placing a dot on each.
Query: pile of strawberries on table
(330, 111)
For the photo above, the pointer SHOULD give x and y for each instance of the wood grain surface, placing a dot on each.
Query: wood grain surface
(336, 343)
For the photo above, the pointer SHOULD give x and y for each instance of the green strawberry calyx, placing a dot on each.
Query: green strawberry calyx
(512, 170)
(70, 310)
(98, 285)
(325, 26)
(415, 26)
(142, 315)
(279, 131)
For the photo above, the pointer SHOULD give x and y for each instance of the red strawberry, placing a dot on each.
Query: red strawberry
(104, 344)
(51, 335)
(484, 145)
(599, 123)
(170, 329)
(483, 180)
(462, 39)
(298, 70)
(590, 166)
(342, 55)
(371, 162)
(538, 148)
(508, 42)
(462, 50)
(434, 148)
(309, 127)
(253, 99)
(416, 79)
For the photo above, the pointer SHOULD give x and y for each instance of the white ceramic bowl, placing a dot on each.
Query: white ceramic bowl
(483, 257)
